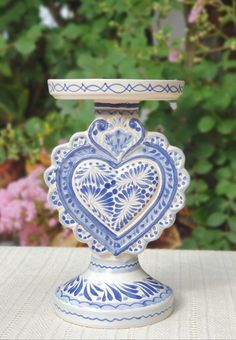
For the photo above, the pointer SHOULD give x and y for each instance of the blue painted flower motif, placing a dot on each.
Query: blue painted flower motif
(141, 174)
(118, 141)
(93, 174)
(117, 192)
(115, 196)
(100, 201)
(82, 290)
(128, 203)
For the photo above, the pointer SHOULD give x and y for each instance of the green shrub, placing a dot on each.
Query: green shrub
(111, 38)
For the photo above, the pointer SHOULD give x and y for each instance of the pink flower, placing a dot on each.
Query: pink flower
(52, 222)
(33, 235)
(22, 203)
(12, 215)
(48, 207)
(30, 212)
(28, 188)
(196, 10)
(37, 172)
(67, 233)
(174, 55)
(62, 141)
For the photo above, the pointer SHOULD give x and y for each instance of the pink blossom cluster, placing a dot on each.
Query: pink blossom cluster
(174, 55)
(22, 204)
(196, 10)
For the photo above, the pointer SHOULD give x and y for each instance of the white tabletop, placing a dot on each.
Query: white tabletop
(204, 283)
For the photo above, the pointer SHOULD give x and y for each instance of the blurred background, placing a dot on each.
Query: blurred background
(190, 40)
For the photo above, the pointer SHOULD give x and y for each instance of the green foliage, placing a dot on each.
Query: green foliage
(16, 143)
(206, 124)
(111, 38)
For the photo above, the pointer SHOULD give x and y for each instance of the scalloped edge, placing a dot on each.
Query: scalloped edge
(149, 236)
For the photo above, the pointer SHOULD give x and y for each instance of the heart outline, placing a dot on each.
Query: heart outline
(118, 248)
(149, 202)
(105, 126)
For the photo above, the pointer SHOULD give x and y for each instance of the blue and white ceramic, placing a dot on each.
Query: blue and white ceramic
(117, 187)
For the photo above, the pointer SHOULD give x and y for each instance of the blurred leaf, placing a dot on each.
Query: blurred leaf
(71, 31)
(22, 100)
(199, 216)
(231, 191)
(3, 155)
(216, 219)
(232, 223)
(218, 100)
(220, 157)
(202, 166)
(231, 43)
(3, 43)
(206, 238)
(227, 188)
(233, 164)
(227, 62)
(206, 70)
(222, 186)
(34, 126)
(51, 140)
(221, 244)
(231, 236)
(226, 126)
(25, 45)
(189, 243)
(224, 173)
(27, 42)
(204, 150)
(34, 32)
(5, 68)
(206, 124)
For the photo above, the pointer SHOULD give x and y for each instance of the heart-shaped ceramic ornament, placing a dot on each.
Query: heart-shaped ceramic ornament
(115, 196)
(117, 186)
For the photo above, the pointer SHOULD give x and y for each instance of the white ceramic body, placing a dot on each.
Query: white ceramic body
(117, 187)
(127, 313)
(118, 90)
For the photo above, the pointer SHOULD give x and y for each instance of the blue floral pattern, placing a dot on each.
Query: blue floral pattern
(117, 186)
(116, 135)
(101, 295)
(116, 196)
(118, 141)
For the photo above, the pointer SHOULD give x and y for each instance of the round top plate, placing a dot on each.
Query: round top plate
(120, 90)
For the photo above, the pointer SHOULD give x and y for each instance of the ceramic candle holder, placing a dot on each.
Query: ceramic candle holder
(117, 187)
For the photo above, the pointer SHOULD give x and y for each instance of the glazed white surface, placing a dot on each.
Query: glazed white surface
(117, 187)
(114, 90)
(175, 154)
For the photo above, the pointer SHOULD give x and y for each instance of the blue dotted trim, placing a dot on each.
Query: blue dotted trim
(114, 319)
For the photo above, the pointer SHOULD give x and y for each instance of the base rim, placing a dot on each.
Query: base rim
(127, 318)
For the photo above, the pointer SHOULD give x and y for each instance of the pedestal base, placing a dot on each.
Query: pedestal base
(114, 294)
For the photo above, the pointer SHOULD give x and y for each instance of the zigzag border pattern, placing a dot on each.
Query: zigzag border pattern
(120, 306)
(114, 267)
(114, 319)
(116, 88)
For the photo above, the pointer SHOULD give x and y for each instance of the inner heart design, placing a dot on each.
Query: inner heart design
(117, 196)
